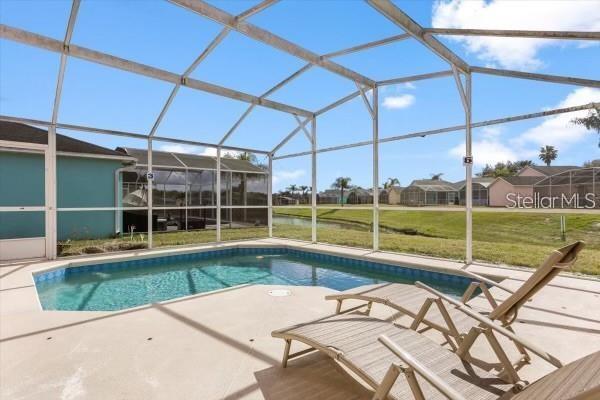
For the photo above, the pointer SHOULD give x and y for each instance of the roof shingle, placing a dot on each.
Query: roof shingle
(17, 132)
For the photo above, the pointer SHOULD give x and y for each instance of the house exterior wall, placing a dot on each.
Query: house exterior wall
(498, 191)
(394, 196)
(21, 185)
(81, 182)
(85, 182)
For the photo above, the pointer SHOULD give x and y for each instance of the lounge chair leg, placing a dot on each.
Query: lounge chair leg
(469, 292)
(338, 308)
(286, 352)
(388, 381)
(414, 384)
(450, 341)
(525, 356)
(508, 369)
(467, 342)
(369, 305)
(421, 315)
(449, 323)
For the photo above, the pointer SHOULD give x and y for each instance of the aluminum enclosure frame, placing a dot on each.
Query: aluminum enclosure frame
(459, 69)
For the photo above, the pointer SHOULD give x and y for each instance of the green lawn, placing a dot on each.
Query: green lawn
(522, 239)
(92, 246)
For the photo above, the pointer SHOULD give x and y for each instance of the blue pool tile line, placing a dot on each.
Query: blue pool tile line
(352, 263)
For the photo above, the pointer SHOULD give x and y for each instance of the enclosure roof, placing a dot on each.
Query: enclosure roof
(572, 176)
(17, 132)
(437, 185)
(360, 191)
(483, 181)
(189, 161)
(553, 169)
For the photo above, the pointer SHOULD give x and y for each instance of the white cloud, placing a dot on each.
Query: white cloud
(398, 102)
(561, 15)
(187, 149)
(487, 150)
(489, 147)
(178, 148)
(209, 151)
(280, 177)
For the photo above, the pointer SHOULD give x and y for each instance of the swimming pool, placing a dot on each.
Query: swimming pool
(125, 284)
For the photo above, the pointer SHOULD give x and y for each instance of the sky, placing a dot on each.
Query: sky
(165, 36)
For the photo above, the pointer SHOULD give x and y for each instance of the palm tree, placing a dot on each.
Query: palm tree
(246, 156)
(548, 154)
(292, 189)
(304, 190)
(391, 182)
(437, 177)
(341, 183)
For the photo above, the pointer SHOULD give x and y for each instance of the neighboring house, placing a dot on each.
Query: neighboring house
(480, 191)
(393, 194)
(188, 182)
(279, 200)
(85, 175)
(501, 188)
(384, 196)
(332, 196)
(359, 196)
(429, 192)
(542, 177)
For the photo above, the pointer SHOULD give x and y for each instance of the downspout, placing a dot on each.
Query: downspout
(119, 198)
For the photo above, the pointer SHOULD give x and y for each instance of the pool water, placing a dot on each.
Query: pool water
(118, 286)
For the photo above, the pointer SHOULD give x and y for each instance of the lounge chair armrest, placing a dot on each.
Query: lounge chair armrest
(420, 369)
(495, 327)
(488, 281)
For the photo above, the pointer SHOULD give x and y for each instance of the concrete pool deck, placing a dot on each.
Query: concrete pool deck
(218, 346)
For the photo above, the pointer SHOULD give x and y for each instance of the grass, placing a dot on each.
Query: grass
(93, 246)
(521, 239)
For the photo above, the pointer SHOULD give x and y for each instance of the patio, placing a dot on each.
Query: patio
(162, 350)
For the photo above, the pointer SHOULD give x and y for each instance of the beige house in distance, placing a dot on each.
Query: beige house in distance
(503, 186)
(394, 194)
(522, 183)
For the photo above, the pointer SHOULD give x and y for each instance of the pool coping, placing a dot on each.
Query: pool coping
(301, 246)
(417, 263)
(231, 249)
(495, 272)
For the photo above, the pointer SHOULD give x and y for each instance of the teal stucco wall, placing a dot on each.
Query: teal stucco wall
(85, 182)
(81, 182)
(21, 184)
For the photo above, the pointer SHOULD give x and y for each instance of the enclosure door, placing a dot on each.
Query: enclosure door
(22, 200)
